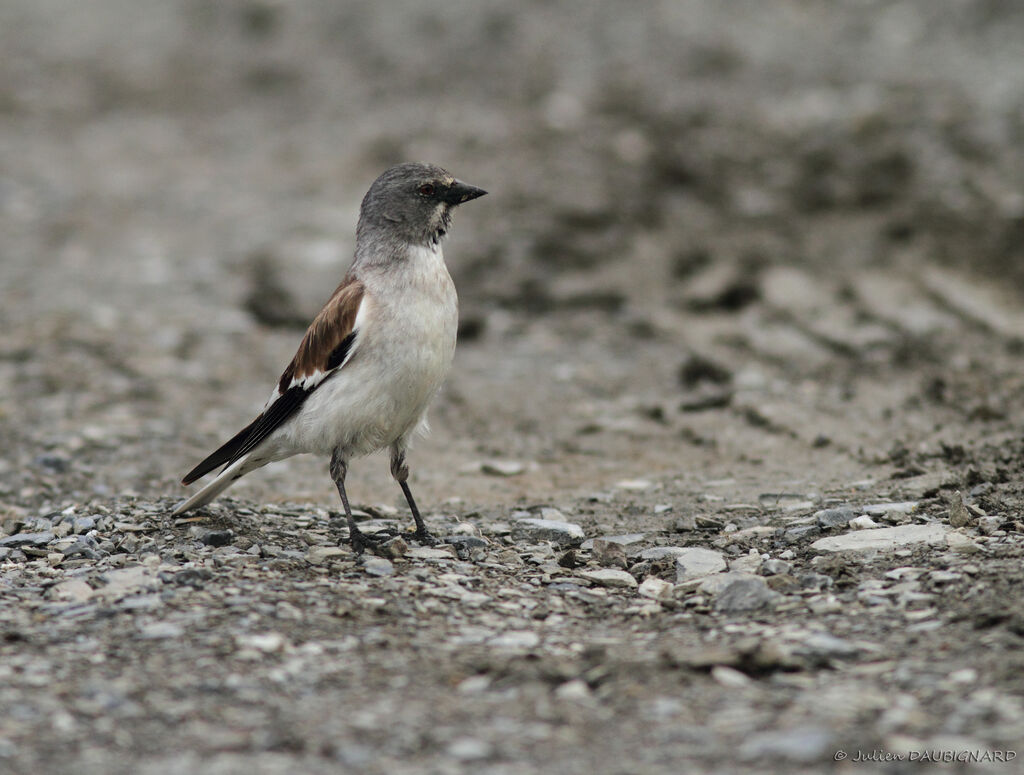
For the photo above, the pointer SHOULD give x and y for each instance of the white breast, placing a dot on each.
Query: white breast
(404, 351)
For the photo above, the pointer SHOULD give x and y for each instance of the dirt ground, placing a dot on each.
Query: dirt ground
(748, 272)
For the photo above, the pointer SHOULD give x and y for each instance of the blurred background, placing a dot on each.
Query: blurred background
(774, 241)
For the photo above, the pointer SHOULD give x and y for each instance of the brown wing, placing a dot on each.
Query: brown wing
(324, 348)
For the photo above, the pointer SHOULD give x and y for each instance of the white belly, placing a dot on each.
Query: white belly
(402, 356)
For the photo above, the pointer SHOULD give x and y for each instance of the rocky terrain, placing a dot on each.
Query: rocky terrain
(728, 467)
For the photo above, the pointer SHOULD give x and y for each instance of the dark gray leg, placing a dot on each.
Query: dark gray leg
(400, 471)
(359, 540)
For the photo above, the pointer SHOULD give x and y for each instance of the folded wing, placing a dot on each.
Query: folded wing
(328, 345)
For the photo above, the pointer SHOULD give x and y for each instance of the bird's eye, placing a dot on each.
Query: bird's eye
(427, 189)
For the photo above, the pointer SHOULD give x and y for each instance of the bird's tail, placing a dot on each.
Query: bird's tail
(224, 479)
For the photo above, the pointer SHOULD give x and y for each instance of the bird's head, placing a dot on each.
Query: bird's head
(413, 203)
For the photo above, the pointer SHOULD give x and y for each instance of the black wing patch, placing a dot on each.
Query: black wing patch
(225, 453)
(337, 356)
(246, 440)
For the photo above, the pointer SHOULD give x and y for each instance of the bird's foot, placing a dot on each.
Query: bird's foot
(360, 542)
(425, 537)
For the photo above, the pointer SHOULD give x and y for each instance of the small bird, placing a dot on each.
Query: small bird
(375, 355)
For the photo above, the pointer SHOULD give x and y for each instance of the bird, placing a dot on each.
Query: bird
(373, 358)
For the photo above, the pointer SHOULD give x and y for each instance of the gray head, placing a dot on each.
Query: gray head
(411, 204)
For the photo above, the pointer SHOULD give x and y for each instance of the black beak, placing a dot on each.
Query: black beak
(460, 192)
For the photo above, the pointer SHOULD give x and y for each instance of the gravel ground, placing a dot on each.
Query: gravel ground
(729, 464)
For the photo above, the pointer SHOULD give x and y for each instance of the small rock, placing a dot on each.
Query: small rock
(863, 522)
(558, 533)
(746, 563)
(72, 590)
(697, 562)
(634, 485)
(128, 581)
(19, 540)
(321, 555)
(988, 525)
(828, 518)
(468, 749)
(661, 552)
(712, 585)
(569, 560)
(609, 577)
(159, 630)
(609, 554)
(378, 566)
(775, 567)
(882, 509)
(655, 589)
(883, 539)
(804, 744)
(213, 537)
(748, 594)
(959, 516)
(266, 642)
(502, 467)
(431, 552)
(576, 689)
(730, 677)
(515, 640)
(83, 524)
(622, 540)
(395, 548)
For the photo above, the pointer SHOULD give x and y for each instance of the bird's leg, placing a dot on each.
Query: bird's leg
(359, 540)
(400, 471)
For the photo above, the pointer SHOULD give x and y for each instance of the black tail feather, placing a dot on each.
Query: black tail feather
(224, 454)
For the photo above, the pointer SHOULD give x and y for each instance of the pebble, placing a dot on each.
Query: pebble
(128, 581)
(655, 589)
(378, 566)
(320, 555)
(502, 467)
(863, 522)
(468, 749)
(749, 594)
(696, 562)
(515, 640)
(774, 567)
(559, 533)
(608, 554)
(883, 539)
(431, 552)
(803, 744)
(841, 516)
(959, 516)
(621, 540)
(19, 540)
(83, 524)
(634, 485)
(730, 677)
(610, 577)
(266, 642)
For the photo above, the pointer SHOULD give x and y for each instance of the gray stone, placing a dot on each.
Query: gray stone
(558, 533)
(803, 744)
(661, 552)
(841, 516)
(748, 594)
(621, 540)
(775, 567)
(378, 566)
(655, 589)
(609, 554)
(27, 539)
(697, 562)
(959, 516)
(610, 577)
(83, 524)
(319, 555)
(883, 539)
